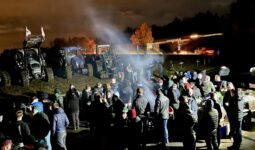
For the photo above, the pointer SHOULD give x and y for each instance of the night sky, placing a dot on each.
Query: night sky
(68, 18)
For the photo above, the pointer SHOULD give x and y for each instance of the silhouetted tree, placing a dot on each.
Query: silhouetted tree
(142, 35)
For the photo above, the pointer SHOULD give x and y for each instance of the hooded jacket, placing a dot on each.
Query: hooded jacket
(60, 121)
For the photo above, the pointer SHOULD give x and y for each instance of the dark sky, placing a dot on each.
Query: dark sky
(67, 18)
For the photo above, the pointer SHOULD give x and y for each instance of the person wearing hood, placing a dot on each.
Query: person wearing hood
(40, 121)
(59, 124)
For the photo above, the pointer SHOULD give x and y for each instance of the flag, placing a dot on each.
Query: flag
(42, 32)
(28, 32)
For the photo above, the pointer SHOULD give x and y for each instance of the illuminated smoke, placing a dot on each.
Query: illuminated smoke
(106, 31)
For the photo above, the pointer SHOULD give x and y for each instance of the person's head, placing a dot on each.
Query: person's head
(184, 99)
(57, 90)
(192, 84)
(124, 112)
(175, 86)
(108, 94)
(212, 95)
(34, 99)
(88, 88)
(113, 81)
(108, 86)
(184, 79)
(140, 91)
(160, 82)
(19, 114)
(190, 92)
(37, 107)
(200, 76)
(99, 84)
(207, 78)
(72, 87)
(217, 78)
(55, 105)
(209, 104)
(159, 92)
(230, 86)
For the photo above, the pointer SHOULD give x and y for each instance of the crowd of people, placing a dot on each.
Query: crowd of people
(121, 115)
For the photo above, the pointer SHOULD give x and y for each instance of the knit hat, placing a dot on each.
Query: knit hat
(38, 106)
(57, 90)
(125, 109)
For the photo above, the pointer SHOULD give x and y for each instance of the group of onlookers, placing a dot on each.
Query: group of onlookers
(120, 113)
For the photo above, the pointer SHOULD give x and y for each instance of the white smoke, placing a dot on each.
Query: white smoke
(107, 31)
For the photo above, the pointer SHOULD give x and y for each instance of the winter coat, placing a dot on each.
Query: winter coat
(235, 105)
(60, 121)
(86, 98)
(174, 95)
(73, 101)
(40, 125)
(162, 106)
(209, 120)
(186, 120)
(20, 132)
(141, 105)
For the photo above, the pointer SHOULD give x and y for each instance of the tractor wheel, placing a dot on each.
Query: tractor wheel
(49, 74)
(25, 78)
(5, 79)
(90, 70)
(69, 72)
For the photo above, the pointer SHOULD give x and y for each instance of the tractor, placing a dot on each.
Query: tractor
(20, 66)
(66, 60)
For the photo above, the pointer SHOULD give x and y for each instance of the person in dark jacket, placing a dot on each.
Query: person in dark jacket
(234, 108)
(59, 124)
(209, 123)
(73, 101)
(86, 100)
(218, 108)
(141, 107)
(40, 126)
(187, 120)
(162, 115)
(20, 131)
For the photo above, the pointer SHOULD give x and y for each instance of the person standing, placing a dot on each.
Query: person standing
(187, 120)
(73, 100)
(59, 124)
(40, 126)
(162, 116)
(209, 122)
(234, 108)
(20, 131)
(141, 106)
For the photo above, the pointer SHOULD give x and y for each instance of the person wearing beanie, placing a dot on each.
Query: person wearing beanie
(40, 127)
(59, 97)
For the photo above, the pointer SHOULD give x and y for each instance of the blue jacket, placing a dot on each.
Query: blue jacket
(60, 121)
